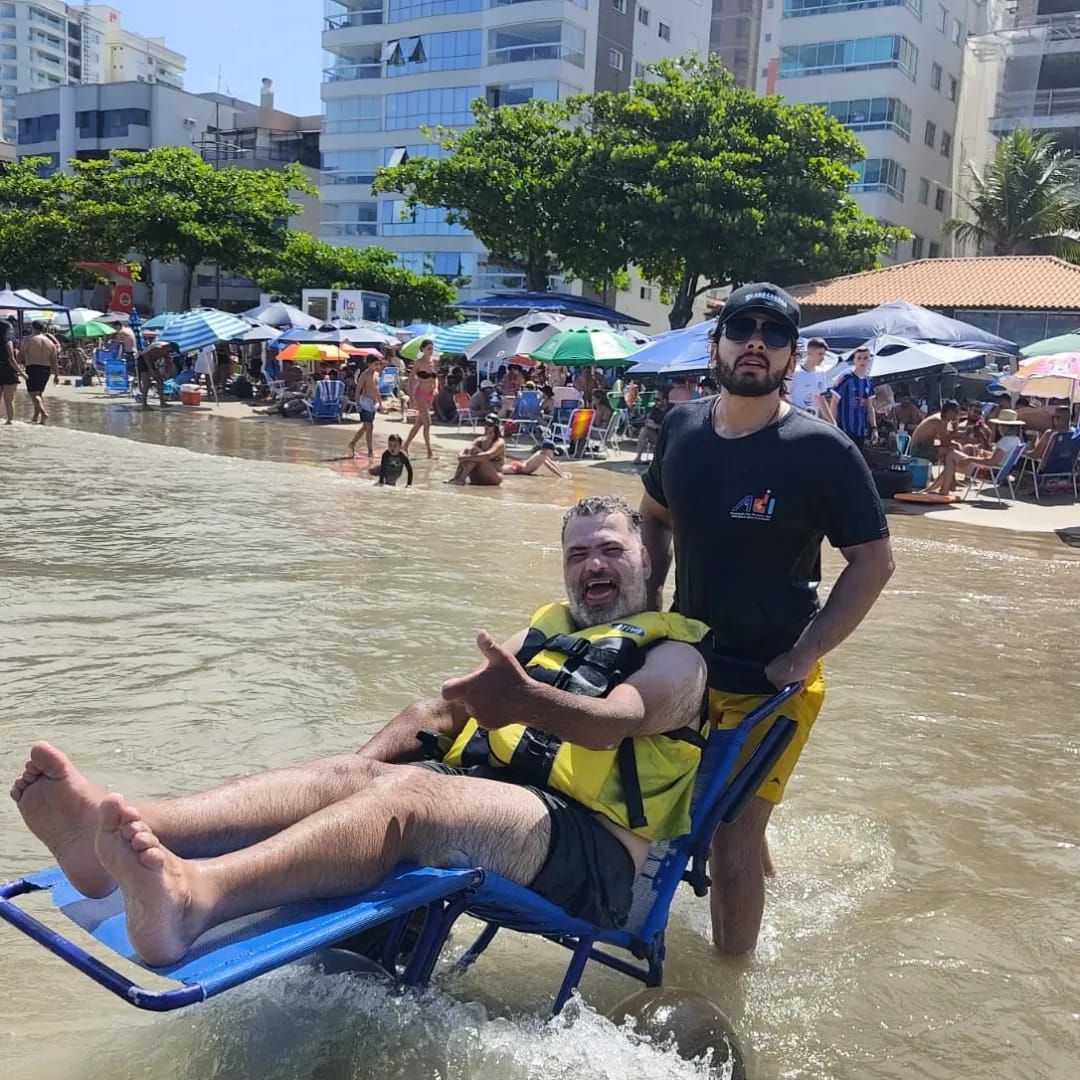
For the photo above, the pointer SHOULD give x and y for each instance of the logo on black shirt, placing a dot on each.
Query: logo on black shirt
(754, 507)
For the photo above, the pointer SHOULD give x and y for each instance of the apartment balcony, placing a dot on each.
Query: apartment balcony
(1043, 109)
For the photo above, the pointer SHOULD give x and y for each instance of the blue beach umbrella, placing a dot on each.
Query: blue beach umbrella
(456, 339)
(676, 352)
(135, 325)
(159, 322)
(422, 329)
(202, 327)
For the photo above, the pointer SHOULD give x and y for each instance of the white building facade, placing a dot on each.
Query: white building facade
(46, 44)
(891, 71)
(396, 65)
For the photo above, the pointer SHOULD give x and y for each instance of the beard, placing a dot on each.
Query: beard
(628, 600)
(750, 383)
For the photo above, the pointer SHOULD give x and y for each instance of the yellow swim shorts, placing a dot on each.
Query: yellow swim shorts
(726, 710)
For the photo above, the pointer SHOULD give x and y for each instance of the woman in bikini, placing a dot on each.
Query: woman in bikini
(422, 392)
(544, 458)
(481, 464)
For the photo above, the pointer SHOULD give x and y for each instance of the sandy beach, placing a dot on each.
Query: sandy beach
(1057, 514)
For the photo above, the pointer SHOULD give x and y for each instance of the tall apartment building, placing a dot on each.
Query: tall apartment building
(45, 43)
(891, 71)
(735, 37)
(396, 65)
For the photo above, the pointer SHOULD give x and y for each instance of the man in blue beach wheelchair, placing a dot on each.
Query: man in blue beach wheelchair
(555, 764)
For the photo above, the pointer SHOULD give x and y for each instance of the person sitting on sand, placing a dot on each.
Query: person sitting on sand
(336, 827)
(957, 463)
(393, 463)
(481, 463)
(543, 458)
(935, 435)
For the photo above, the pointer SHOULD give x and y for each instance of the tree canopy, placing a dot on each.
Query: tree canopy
(1024, 202)
(694, 180)
(307, 263)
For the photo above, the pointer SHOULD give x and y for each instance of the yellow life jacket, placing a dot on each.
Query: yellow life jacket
(646, 784)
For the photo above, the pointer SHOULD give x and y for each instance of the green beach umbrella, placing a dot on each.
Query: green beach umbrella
(1054, 345)
(92, 329)
(586, 347)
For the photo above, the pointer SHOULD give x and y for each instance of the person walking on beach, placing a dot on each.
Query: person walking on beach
(11, 371)
(39, 355)
(367, 405)
(422, 393)
(746, 486)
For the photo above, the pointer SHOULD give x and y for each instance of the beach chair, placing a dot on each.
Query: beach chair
(241, 950)
(526, 415)
(608, 439)
(464, 413)
(328, 401)
(573, 434)
(1061, 463)
(994, 476)
(116, 377)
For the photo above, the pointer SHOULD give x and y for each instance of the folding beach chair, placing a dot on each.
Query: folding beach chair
(996, 475)
(238, 951)
(572, 435)
(116, 376)
(464, 413)
(1059, 464)
(328, 402)
(526, 415)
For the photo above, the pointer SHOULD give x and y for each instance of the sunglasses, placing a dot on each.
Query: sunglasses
(741, 328)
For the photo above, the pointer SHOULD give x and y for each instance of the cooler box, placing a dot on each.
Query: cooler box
(920, 473)
(190, 394)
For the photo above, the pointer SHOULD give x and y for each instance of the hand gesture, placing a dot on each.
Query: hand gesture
(490, 691)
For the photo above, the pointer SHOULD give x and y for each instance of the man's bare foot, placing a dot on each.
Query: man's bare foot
(162, 920)
(60, 807)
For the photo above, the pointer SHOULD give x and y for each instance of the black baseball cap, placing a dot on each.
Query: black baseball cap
(763, 296)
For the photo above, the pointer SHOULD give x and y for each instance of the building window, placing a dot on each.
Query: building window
(957, 34)
(871, 114)
(794, 9)
(828, 57)
(943, 18)
(665, 31)
(341, 15)
(880, 174)
(645, 292)
(110, 123)
(954, 88)
(924, 190)
(946, 144)
(917, 245)
(352, 166)
(519, 93)
(455, 50)
(939, 200)
(935, 250)
(537, 41)
(930, 134)
(639, 70)
(619, 6)
(413, 109)
(935, 76)
(615, 59)
(346, 116)
(643, 15)
(350, 219)
(39, 129)
(398, 219)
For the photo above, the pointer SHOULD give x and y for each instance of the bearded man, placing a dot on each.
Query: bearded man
(746, 486)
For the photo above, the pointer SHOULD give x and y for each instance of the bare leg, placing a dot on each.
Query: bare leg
(464, 470)
(425, 420)
(60, 806)
(484, 474)
(408, 814)
(767, 867)
(736, 867)
(9, 403)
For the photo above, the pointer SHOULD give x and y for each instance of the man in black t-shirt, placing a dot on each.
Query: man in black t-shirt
(746, 486)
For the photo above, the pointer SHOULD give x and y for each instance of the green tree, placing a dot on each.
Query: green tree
(508, 179)
(185, 210)
(1024, 202)
(308, 263)
(703, 184)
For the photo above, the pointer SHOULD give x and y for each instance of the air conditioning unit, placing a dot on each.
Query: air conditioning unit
(189, 121)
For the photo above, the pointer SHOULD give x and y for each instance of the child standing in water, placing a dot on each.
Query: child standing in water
(394, 462)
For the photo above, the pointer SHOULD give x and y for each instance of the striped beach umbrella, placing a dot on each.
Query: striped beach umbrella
(201, 327)
(589, 347)
(456, 339)
(159, 322)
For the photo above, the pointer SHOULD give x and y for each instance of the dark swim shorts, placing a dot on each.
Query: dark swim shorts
(588, 872)
(37, 378)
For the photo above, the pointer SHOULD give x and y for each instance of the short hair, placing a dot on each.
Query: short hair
(949, 405)
(37, 326)
(601, 506)
(817, 343)
(427, 343)
(393, 439)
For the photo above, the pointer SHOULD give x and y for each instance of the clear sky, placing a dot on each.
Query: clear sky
(245, 39)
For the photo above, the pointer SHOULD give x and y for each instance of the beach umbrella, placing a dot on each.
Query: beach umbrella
(135, 325)
(420, 329)
(1047, 376)
(159, 322)
(81, 315)
(675, 352)
(255, 334)
(587, 347)
(456, 339)
(319, 353)
(1054, 346)
(898, 358)
(524, 335)
(92, 330)
(202, 326)
(282, 316)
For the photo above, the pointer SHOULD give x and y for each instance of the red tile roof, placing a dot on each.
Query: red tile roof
(1038, 282)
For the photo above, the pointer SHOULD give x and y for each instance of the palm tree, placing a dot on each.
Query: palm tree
(1024, 202)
